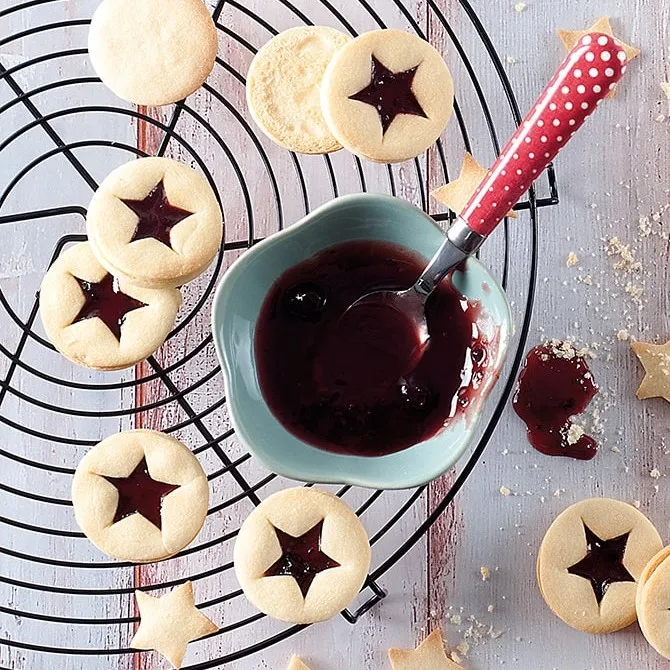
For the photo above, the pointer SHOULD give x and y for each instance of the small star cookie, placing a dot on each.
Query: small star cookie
(170, 622)
(656, 361)
(429, 655)
(602, 25)
(296, 664)
(455, 194)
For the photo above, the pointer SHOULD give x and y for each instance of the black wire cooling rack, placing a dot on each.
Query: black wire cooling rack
(59, 597)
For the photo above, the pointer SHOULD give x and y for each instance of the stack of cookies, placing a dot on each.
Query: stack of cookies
(153, 225)
(386, 95)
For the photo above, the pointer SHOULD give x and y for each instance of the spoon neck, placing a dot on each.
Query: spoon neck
(461, 242)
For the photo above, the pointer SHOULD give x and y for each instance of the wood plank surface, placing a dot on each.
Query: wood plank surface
(612, 175)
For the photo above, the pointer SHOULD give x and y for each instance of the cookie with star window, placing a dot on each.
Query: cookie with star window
(140, 496)
(155, 222)
(302, 555)
(590, 562)
(101, 321)
(387, 95)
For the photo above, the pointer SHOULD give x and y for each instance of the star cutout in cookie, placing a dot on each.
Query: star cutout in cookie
(170, 622)
(603, 563)
(429, 655)
(106, 301)
(156, 216)
(602, 25)
(296, 664)
(655, 359)
(390, 93)
(301, 557)
(456, 194)
(139, 493)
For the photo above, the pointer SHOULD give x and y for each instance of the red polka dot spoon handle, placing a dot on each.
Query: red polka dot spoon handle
(588, 73)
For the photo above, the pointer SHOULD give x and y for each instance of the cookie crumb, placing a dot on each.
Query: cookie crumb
(520, 7)
(665, 87)
(655, 473)
(485, 572)
(574, 433)
(511, 60)
(456, 619)
(572, 259)
(489, 609)
(463, 648)
(505, 491)
(636, 504)
(622, 335)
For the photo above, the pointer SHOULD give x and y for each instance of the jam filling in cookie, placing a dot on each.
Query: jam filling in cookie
(139, 493)
(301, 557)
(350, 381)
(554, 385)
(390, 93)
(157, 217)
(106, 301)
(603, 563)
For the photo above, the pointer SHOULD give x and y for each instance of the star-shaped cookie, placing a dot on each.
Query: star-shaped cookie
(170, 622)
(296, 664)
(602, 25)
(656, 361)
(429, 655)
(455, 194)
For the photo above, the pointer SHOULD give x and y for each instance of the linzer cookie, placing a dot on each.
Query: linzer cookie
(302, 556)
(284, 84)
(152, 52)
(155, 222)
(140, 496)
(653, 602)
(590, 561)
(101, 321)
(387, 95)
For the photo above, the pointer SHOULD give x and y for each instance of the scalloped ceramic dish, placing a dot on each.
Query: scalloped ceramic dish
(237, 303)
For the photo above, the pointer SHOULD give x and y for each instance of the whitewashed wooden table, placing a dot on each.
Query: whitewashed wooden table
(613, 175)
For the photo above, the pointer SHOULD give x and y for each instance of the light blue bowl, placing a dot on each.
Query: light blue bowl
(237, 303)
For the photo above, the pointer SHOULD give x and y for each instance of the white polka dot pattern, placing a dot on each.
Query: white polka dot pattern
(585, 77)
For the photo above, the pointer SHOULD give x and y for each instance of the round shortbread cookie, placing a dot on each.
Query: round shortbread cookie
(590, 561)
(387, 95)
(152, 52)
(284, 88)
(140, 496)
(155, 222)
(653, 602)
(99, 321)
(302, 555)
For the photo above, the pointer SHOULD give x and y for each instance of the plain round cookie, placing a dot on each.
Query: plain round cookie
(653, 602)
(284, 88)
(357, 125)
(89, 342)
(572, 597)
(343, 539)
(152, 52)
(135, 538)
(194, 241)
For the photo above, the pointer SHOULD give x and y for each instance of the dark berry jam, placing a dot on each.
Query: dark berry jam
(603, 563)
(360, 383)
(555, 384)
(301, 557)
(140, 494)
(106, 301)
(390, 93)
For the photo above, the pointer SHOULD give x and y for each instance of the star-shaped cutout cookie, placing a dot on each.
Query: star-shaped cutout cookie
(655, 359)
(455, 194)
(429, 655)
(602, 25)
(296, 664)
(170, 622)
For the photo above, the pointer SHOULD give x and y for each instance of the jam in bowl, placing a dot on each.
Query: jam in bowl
(325, 394)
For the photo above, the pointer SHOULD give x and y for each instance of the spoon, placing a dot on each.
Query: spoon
(586, 76)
